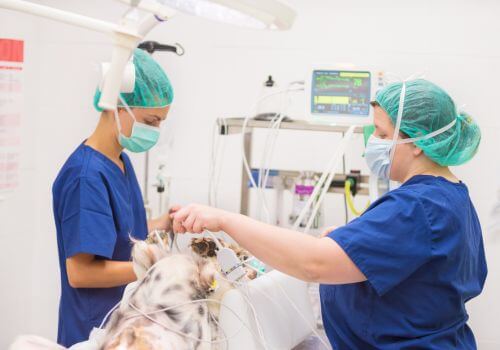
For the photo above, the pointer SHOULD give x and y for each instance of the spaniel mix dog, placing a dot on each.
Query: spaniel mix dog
(167, 307)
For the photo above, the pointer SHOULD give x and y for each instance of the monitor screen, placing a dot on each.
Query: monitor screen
(339, 92)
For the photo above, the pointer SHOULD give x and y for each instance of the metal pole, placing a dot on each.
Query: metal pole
(245, 191)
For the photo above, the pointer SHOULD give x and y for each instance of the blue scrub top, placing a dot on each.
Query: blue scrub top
(421, 250)
(96, 208)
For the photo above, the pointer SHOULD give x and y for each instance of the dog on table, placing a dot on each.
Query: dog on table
(176, 284)
(166, 308)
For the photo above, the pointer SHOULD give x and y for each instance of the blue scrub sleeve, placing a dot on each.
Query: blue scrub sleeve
(388, 242)
(87, 219)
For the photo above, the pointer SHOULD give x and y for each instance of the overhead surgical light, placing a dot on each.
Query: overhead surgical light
(263, 14)
(259, 14)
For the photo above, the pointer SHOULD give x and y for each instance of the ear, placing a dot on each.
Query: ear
(145, 255)
(417, 151)
(142, 259)
(204, 247)
(122, 114)
(160, 237)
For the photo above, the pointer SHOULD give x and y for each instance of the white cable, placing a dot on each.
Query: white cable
(315, 192)
(216, 152)
(325, 344)
(224, 339)
(176, 243)
(313, 195)
(275, 124)
(245, 160)
(326, 175)
(109, 314)
(219, 328)
(269, 149)
(270, 153)
(245, 296)
(266, 157)
(215, 239)
(260, 332)
(243, 288)
(182, 334)
(206, 300)
(158, 237)
(313, 329)
(267, 296)
(339, 153)
(245, 291)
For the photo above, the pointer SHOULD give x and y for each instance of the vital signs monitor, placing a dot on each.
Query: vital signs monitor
(342, 96)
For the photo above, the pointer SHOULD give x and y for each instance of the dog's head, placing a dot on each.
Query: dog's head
(155, 251)
(155, 247)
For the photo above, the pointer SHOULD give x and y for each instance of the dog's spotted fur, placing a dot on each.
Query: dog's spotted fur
(165, 280)
(174, 279)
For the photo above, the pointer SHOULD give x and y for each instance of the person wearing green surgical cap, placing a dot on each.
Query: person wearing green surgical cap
(427, 109)
(399, 276)
(98, 204)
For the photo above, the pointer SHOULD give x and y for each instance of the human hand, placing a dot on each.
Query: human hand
(173, 209)
(163, 222)
(196, 218)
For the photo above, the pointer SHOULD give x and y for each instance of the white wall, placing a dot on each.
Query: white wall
(456, 42)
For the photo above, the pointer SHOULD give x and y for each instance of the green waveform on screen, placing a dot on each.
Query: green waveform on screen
(336, 82)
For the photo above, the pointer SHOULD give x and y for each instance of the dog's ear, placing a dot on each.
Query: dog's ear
(204, 247)
(145, 255)
(160, 237)
(142, 259)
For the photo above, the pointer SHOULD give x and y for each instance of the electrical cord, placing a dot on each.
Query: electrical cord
(313, 329)
(326, 176)
(245, 160)
(349, 199)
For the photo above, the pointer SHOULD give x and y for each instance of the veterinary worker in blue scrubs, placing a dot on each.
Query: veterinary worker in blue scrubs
(399, 276)
(97, 203)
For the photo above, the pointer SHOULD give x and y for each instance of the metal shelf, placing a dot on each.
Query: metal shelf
(234, 125)
(228, 126)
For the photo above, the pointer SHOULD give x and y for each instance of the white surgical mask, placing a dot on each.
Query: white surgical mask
(378, 157)
(379, 153)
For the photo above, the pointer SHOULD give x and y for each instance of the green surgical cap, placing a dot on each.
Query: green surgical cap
(152, 88)
(428, 108)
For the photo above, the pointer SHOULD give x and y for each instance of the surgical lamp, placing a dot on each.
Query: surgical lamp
(129, 31)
